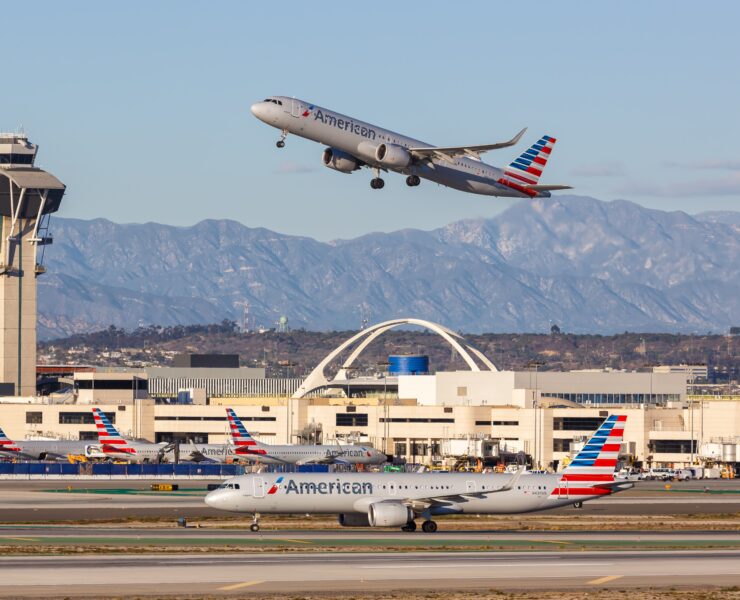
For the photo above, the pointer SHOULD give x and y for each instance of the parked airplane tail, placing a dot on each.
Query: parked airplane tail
(591, 472)
(6, 444)
(245, 443)
(111, 441)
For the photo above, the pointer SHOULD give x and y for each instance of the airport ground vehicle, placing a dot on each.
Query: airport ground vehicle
(661, 474)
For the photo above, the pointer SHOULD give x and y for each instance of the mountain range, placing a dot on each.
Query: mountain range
(583, 264)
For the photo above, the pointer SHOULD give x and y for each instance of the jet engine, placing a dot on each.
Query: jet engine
(392, 155)
(340, 161)
(389, 514)
(354, 520)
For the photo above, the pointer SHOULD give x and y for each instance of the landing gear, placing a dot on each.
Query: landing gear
(255, 526)
(578, 505)
(281, 142)
(377, 183)
(429, 527)
(409, 527)
(413, 180)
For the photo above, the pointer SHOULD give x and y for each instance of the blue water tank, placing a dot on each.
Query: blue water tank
(408, 364)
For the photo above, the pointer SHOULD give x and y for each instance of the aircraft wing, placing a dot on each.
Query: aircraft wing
(448, 153)
(422, 503)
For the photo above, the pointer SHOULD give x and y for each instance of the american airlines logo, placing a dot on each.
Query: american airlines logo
(345, 124)
(328, 487)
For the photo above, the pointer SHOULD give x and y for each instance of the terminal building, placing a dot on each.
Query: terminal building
(407, 411)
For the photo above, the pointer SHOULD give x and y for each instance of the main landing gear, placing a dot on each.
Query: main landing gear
(427, 527)
(281, 142)
(255, 526)
(413, 180)
(377, 183)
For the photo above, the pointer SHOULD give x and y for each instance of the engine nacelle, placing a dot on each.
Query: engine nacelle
(389, 514)
(354, 520)
(340, 161)
(392, 155)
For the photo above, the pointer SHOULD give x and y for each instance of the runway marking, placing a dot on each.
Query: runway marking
(552, 542)
(21, 539)
(606, 579)
(293, 540)
(484, 563)
(238, 586)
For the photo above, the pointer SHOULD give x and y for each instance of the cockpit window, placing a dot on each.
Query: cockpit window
(279, 102)
(229, 486)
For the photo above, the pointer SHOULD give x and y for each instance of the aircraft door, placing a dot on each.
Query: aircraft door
(470, 486)
(392, 488)
(259, 487)
(563, 489)
(295, 110)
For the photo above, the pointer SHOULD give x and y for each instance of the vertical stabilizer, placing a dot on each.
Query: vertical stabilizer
(111, 441)
(245, 443)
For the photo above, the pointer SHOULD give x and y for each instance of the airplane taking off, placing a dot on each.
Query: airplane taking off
(47, 449)
(353, 144)
(245, 446)
(397, 499)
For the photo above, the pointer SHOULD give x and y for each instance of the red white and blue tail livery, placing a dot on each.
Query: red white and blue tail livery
(591, 472)
(243, 442)
(524, 172)
(112, 442)
(6, 444)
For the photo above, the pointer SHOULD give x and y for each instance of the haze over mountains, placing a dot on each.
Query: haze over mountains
(587, 265)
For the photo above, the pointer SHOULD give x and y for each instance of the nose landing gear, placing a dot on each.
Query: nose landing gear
(255, 526)
(281, 142)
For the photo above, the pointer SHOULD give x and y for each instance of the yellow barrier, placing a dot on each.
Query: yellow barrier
(164, 487)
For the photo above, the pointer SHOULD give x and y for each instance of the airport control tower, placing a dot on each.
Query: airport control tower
(27, 197)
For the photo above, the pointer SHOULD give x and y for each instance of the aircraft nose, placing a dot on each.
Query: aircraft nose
(258, 110)
(214, 499)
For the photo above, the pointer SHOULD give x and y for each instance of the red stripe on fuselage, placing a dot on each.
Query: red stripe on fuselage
(586, 491)
(518, 188)
(587, 477)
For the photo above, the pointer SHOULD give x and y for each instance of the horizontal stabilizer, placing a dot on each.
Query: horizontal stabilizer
(548, 188)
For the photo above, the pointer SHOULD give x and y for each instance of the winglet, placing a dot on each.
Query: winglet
(515, 139)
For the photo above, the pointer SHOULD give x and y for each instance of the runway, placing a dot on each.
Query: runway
(260, 573)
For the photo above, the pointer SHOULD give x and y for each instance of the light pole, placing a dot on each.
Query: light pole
(386, 426)
(535, 364)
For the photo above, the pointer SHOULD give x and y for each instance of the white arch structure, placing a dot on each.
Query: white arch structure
(317, 378)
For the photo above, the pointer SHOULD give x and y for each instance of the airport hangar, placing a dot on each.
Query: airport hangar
(416, 416)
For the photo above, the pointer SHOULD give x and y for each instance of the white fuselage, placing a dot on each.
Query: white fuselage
(360, 140)
(353, 493)
(311, 454)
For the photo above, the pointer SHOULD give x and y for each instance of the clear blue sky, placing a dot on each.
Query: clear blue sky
(142, 108)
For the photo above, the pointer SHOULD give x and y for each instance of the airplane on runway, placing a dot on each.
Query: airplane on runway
(47, 449)
(352, 144)
(245, 446)
(397, 499)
